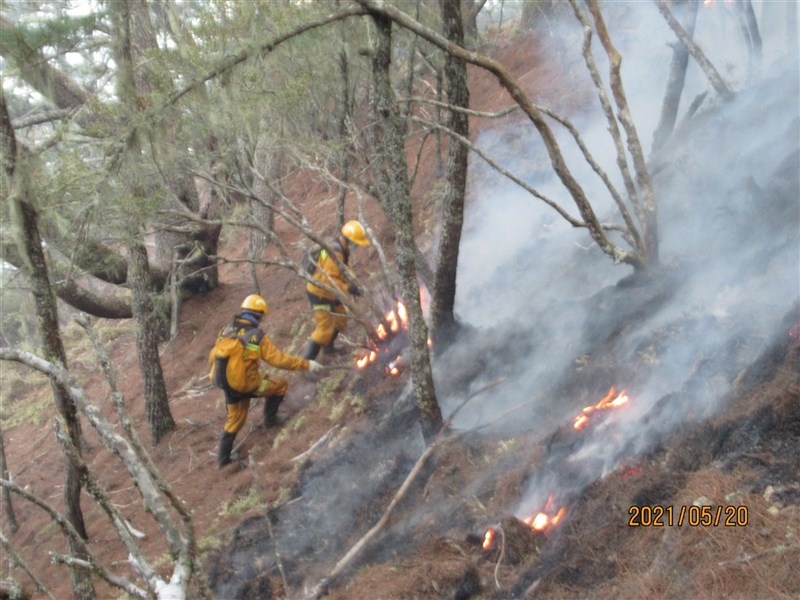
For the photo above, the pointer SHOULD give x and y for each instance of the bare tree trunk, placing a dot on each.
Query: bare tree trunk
(749, 25)
(142, 74)
(49, 331)
(156, 401)
(8, 508)
(677, 77)
(259, 211)
(341, 129)
(440, 99)
(443, 295)
(389, 143)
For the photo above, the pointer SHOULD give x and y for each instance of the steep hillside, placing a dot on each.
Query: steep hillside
(709, 426)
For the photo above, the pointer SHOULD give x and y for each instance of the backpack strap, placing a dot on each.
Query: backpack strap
(251, 338)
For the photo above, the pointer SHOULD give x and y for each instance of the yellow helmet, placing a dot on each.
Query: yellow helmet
(255, 303)
(354, 231)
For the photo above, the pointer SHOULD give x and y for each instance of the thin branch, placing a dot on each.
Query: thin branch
(780, 549)
(605, 103)
(508, 82)
(631, 233)
(20, 562)
(71, 533)
(43, 116)
(505, 172)
(711, 72)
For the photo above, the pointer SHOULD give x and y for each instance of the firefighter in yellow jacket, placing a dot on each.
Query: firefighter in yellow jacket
(329, 314)
(235, 368)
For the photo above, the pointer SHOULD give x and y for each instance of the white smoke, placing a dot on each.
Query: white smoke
(728, 228)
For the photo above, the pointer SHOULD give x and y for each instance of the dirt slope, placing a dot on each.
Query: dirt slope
(594, 555)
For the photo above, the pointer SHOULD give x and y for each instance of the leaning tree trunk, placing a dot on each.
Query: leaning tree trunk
(389, 143)
(50, 334)
(444, 288)
(156, 401)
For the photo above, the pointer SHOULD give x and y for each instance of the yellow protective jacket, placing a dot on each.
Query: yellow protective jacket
(243, 346)
(327, 266)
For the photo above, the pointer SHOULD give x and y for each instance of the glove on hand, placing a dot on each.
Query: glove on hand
(314, 367)
(354, 291)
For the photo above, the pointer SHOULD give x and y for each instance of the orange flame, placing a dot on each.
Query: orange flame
(488, 539)
(611, 400)
(538, 522)
(394, 320)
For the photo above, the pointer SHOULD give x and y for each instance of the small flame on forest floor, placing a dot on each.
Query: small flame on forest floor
(611, 400)
(537, 522)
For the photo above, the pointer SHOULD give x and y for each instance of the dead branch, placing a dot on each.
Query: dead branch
(265, 509)
(508, 82)
(320, 442)
(356, 550)
(630, 231)
(780, 549)
(640, 208)
(505, 172)
(500, 558)
(711, 72)
(18, 560)
(473, 395)
(71, 533)
(142, 470)
(176, 503)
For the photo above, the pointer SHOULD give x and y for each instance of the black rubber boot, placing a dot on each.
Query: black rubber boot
(271, 404)
(225, 447)
(311, 351)
(330, 349)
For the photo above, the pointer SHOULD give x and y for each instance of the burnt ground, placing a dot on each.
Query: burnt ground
(318, 506)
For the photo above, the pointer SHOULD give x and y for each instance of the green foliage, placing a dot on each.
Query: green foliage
(328, 386)
(25, 396)
(243, 504)
(358, 402)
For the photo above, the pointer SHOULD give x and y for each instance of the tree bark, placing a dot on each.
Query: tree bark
(156, 401)
(444, 289)
(536, 117)
(388, 139)
(711, 72)
(49, 330)
(470, 10)
(8, 508)
(677, 77)
(646, 206)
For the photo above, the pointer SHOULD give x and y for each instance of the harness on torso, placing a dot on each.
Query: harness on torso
(237, 345)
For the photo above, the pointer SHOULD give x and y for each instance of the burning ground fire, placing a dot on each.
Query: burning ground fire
(611, 400)
(395, 323)
(549, 516)
(538, 522)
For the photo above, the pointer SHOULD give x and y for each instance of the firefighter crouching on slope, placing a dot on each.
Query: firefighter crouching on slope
(329, 314)
(234, 362)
